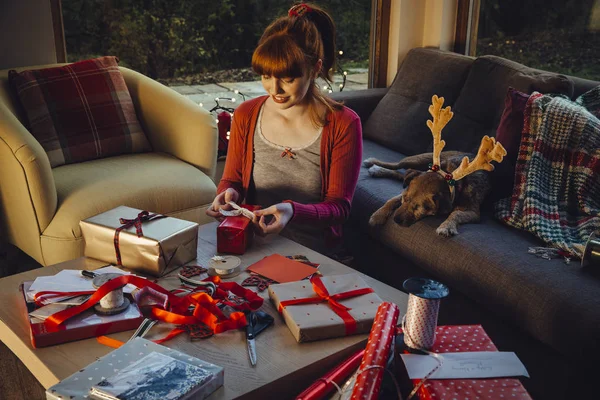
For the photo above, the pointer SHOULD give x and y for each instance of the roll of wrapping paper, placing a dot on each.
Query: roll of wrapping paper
(381, 339)
(333, 379)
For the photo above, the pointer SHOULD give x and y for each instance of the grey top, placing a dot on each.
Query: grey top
(278, 178)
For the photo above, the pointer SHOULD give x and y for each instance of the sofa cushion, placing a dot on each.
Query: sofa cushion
(400, 119)
(479, 106)
(151, 181)
(81, 111)
(509, 134)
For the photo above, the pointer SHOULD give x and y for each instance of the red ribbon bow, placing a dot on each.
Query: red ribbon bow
(332, 300)
(144, 216)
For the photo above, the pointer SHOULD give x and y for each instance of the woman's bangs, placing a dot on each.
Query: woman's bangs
(278, 57)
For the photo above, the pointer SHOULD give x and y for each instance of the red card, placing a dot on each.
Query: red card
(281, 269)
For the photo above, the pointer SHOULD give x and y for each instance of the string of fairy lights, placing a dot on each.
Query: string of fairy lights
(219, 107)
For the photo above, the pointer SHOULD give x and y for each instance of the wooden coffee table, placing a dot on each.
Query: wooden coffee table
(284, 368)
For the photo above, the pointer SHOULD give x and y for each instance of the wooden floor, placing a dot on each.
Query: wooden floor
(16, 382)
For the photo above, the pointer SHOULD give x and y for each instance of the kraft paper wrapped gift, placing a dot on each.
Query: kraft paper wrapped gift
(166, 243)
(316, 321)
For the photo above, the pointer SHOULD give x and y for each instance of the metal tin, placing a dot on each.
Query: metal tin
(591, 254)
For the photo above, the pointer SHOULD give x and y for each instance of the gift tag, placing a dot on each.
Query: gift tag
(258, 281)
(192, 270)
(197, 331)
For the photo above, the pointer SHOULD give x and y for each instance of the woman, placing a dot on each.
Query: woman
(295, 152)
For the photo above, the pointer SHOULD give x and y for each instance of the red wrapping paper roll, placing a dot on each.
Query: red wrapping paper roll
(377, 352)
(323, 386)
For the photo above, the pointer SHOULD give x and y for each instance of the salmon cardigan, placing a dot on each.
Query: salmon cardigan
(341, 156)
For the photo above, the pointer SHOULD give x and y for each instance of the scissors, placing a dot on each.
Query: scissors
(258, 321)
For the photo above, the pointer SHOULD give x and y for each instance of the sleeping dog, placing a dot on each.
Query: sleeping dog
(428, 193)
(441, 189)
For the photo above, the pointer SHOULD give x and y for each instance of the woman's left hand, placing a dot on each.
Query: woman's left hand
(282, 213)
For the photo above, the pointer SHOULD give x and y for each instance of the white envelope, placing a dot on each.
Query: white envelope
(476, 364)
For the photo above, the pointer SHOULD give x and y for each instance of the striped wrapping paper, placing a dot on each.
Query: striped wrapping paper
(377, 352)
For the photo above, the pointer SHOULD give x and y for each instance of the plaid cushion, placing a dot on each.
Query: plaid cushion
(81, 111)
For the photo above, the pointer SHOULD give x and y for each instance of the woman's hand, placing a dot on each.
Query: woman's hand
(281, 214)
(221, 202)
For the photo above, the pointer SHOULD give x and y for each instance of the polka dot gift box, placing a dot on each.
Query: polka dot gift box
(462, 338)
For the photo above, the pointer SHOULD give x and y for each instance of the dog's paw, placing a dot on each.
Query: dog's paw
(375, 170)
(369, 162)
(446, 230)
(377, 219)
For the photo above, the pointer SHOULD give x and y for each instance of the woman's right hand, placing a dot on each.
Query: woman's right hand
(221, 201)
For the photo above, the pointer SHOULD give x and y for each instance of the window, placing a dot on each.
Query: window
(562, 36)
(193, 42)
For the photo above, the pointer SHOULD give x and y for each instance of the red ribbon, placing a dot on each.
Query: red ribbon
(205, 308)
(144, 216)
(332, 300)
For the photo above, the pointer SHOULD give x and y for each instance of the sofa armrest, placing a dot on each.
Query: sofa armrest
(28, 197)
(172, 123)
(362, 102)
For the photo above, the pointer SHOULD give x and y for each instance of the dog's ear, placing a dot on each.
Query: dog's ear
(409, 175)
(442, 203)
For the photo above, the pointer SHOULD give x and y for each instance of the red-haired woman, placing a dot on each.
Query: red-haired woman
(295, 151)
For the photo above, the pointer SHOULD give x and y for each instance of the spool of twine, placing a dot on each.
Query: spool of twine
(421, 317)
(113, 299)
(113, 302)
(420, 322)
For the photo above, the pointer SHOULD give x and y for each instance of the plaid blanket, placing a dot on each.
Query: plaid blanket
(556, 195)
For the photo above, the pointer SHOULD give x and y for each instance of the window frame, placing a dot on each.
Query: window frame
(467, 22)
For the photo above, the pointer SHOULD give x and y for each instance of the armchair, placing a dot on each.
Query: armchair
(41, 206)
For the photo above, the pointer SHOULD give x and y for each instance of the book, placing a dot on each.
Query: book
(115, 366)
(155, 376)
(82, 326)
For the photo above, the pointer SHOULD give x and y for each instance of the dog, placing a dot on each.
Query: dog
(428, 193)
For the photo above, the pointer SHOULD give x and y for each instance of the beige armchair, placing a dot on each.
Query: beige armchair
(40, 206)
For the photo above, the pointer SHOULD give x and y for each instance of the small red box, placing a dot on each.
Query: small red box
(235, 234)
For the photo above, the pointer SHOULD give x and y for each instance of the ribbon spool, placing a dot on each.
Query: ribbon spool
(421, 316)
(114, 302)
(591, 254)
(224, 266)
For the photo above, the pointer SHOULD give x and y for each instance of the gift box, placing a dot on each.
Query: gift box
(151, 243)
(235, 234)
(326, 307)
(464, 338)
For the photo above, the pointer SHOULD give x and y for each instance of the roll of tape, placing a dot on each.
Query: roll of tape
(224, 266)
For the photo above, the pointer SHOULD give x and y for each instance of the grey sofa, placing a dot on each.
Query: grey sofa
(546, 311)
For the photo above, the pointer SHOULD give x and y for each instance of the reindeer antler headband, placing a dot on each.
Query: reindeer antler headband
(489, 150)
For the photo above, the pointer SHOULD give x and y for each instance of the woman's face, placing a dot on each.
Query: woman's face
(287, 92)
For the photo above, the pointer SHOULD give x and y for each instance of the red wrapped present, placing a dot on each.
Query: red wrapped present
(461, 338)
(235, 234)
